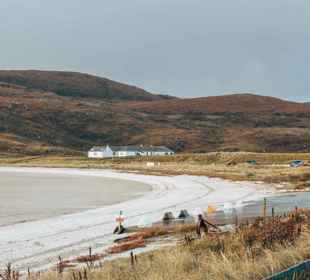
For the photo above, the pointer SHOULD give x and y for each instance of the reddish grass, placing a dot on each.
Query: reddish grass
(126, 246)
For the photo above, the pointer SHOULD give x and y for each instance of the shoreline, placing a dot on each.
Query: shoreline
(35, 244)
(31, 195)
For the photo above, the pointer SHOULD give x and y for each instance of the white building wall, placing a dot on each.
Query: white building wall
(156, 153)
(108, 153)
(97, 154)
(162, 153)
(105, 153)
(126, 154)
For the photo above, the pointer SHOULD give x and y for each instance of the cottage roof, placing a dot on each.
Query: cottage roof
(125, 148)
(161, 149)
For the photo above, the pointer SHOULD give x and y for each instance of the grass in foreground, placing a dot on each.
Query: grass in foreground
(256, 251)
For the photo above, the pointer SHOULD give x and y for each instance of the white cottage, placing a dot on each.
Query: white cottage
(128, 151)
(100, 152)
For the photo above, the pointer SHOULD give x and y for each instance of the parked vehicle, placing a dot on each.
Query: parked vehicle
(297, 163)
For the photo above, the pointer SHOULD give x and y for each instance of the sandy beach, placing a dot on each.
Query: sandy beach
(29, 196)
(38, 244)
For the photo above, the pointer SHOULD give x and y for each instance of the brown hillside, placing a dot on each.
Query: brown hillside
(77, 85)
(235, 103)
(34, 121)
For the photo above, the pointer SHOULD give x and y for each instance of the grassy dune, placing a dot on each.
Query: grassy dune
(254, 252)
(270, 167)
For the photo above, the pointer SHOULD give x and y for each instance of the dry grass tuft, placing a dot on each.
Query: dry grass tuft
(228, 256)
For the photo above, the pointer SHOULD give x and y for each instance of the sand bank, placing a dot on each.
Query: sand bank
(36, 244)
(26, 196)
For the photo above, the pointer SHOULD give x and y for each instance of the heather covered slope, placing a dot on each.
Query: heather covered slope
(234, 103)
(36, 120)
(77, 85)
(235, 122)
(46, 119)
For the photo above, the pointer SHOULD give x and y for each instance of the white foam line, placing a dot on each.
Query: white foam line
(37, 243)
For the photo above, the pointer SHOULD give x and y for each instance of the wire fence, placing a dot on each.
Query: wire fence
(300, 271)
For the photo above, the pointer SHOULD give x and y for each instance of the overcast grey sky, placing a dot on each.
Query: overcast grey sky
(186, 48)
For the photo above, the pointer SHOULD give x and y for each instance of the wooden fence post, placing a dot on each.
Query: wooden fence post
(265, 210)
(236, 221)
(132, 259)
(60, 268)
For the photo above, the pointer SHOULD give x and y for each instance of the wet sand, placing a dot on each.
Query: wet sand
(31, 196)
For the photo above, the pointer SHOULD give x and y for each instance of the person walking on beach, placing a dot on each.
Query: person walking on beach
(202, 226)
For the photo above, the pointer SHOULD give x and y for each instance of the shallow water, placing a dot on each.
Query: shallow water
(31, 196)
(280, 203)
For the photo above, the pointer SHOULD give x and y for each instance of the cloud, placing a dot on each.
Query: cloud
(186, 48)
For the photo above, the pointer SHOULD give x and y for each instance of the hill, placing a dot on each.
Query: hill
(77, 85)
(233, 122)
(35, 121)
(234, 103)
